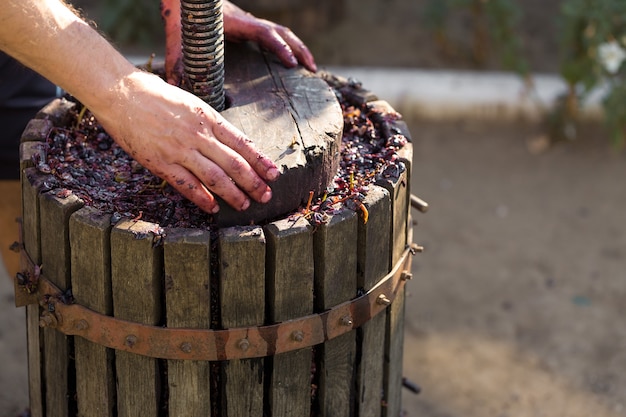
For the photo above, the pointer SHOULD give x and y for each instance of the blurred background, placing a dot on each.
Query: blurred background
(380, 33)
(517, 303)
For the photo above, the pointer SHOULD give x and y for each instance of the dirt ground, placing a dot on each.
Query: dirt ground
(517, 303)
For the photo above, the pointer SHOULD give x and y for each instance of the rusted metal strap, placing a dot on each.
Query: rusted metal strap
(205, 344)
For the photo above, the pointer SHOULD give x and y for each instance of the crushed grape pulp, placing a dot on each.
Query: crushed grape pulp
(84, 160)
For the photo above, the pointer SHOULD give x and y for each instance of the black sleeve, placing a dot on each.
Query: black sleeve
(22, 94)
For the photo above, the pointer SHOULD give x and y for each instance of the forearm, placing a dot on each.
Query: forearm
(169, 131)
(48, 37)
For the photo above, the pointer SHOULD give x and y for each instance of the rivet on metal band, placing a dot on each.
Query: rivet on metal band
(206, 344)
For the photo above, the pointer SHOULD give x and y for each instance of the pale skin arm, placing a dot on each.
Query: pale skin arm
(238, 26)
(169, 131)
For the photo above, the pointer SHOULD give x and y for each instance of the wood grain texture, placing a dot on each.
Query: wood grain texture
(290, 295)
(336, 282)
(57, 111)
(242, 298)
(399, 191)
(373, 263)
(55, 257)
(293, 117)
(187, 258)
(394, 355)
(36, 130)
(32, 243)
(136, 277)
(90, 232)
(394, 345)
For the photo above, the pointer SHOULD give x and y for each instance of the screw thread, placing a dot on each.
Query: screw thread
(203, 49)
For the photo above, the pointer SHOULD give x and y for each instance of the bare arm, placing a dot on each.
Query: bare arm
(171, 132)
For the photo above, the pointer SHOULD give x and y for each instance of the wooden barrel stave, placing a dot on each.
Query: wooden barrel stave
(242, 298)
(335, 282)
(31, 235)
(373, 262)
(90, 231)
(290, 280)
(137, 288)
(364, 353)
(187, 269)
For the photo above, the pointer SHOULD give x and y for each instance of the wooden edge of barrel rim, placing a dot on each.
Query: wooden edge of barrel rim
(136, 283)
(373, 255)
(334, 257)
(289, 292)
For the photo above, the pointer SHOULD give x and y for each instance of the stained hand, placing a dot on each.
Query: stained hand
(238, 26)
(194, 149)
(166, 129)
(280, 40)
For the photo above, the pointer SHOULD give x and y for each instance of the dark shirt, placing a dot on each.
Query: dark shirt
(22, 94)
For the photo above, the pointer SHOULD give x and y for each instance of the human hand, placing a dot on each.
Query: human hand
(280, 40)
(184, 141)
(238, 26)
(171, 132)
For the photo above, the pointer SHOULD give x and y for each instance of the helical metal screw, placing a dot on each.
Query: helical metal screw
(203, 49)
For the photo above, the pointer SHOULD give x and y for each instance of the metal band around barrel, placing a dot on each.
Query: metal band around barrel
(205, 344)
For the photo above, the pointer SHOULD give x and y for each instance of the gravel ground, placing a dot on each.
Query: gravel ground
(517, 302)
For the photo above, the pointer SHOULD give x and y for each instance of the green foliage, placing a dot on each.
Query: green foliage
(132, 21)
(503, 16)
(616, 112)
(592, 48)
(590, 27)
(494, 25)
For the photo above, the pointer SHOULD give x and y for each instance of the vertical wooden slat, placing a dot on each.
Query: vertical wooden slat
(188, 304)
(406, 156)
(36, 130)
(55, 258)
(90, 232)
(394, 355)
(136, 270)
(290, 295)
(400, 195)
(336, 282)
(242, 298)
(373, 264)
(32, 243)
(57, 111)
(399, 190)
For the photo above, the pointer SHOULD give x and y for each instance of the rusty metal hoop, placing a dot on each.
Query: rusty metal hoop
(31, 287)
